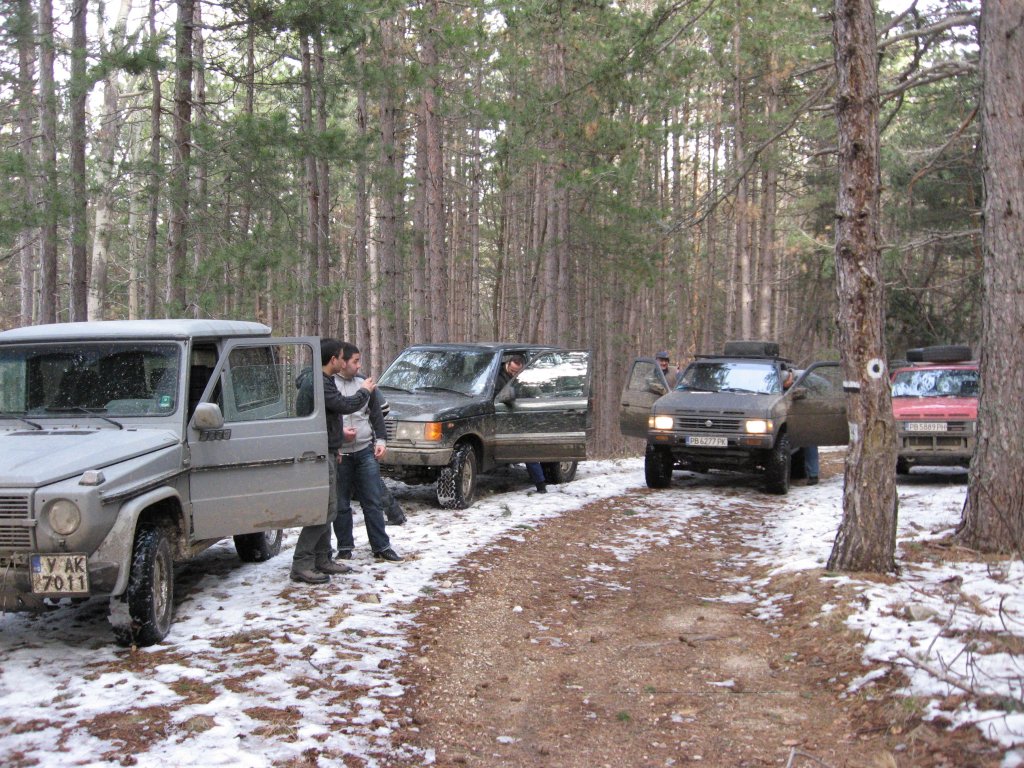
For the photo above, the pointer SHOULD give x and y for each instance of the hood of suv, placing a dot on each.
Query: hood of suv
(935, 408)
(33, 457)
(733, 403)
(435, 405)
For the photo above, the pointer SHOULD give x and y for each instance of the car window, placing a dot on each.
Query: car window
(261, 382)
(458, 370)
(561, 374)
(951, 382)
(758, 377)
(106, 378)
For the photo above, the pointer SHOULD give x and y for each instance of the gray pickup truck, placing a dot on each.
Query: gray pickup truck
(730, 412)
(128, 446)
(447, 423)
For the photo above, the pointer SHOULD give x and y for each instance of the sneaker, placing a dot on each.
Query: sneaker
(332, 567)
(388, 554)
(310, 577)
(542, 488)
(812, 481)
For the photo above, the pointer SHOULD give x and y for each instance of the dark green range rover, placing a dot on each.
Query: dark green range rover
(731, 412)
(447, 423)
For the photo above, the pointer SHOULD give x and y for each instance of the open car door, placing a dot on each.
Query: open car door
(548, 419)
(817, 411)
(644, 385)
(265, 467)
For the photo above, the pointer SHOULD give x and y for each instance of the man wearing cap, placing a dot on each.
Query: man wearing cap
(672, 377)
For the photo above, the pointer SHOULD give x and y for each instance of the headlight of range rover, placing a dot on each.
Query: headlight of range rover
(661, 422)
(418, 431)
(64, 516)
(757, 426)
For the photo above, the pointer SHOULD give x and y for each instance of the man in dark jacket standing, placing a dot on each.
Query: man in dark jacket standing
(312, 562)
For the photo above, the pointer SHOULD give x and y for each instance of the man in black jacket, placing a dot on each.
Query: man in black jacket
(312, 562)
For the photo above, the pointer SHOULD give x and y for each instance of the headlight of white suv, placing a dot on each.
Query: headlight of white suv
(64, 516)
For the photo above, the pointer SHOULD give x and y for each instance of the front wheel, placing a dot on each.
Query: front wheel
(557, 472)
(780, 463)
(257, 547)
(456, 486)
(150, 594)
(658, 467)
(902, 466)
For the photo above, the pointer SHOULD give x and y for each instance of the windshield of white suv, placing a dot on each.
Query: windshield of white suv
(461, 371)
(104, 379)
(753, 377)
(933, 382)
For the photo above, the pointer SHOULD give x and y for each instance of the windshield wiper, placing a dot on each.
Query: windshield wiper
(688, 388)
(441, 389)
(22, 418)
(397, 389)
(741, 390)
(86, 411)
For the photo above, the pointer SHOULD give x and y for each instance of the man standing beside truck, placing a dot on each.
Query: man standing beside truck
(311, 563)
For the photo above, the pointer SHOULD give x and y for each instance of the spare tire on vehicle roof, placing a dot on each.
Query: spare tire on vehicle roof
(752, 348)
(947, 353)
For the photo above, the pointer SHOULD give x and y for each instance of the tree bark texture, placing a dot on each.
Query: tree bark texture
(78, 267)
(50, 198)
(27, 240)
(177, 245)
(993, 516)
(153, 186)
(867, 534)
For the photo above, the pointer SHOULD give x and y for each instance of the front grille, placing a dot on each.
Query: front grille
(15, 527)
(707, 424)
(390, 427)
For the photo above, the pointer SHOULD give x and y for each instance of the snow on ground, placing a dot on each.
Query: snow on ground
(313, 667)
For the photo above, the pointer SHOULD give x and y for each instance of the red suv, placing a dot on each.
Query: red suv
(935, 405)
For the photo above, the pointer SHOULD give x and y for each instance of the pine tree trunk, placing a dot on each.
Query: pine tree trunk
(742, 268)
(177, 245)
(993, 516)
(867, 534)
(26, 147)
(78, 265)
(106, 150)
(312, 280)
(199, 203)
(435, 213)
(153, 188)
(48, 292)
(323, 177)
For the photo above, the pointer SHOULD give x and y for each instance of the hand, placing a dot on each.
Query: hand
(348, 434)
(379, 451)
(369, 384)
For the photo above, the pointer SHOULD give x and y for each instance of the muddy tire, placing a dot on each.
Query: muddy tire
(780, 464)
(558, 472)
(902, 467)
(257, 547)
(456, 486)
(658, 467)
(150, 594)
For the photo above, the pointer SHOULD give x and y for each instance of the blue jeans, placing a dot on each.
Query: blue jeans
(313, 547)
(536, 472)
(360, 472)
(811, 460)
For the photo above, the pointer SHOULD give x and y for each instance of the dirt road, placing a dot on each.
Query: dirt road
(612, 636)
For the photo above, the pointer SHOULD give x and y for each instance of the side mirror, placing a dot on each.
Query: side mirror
(657, 388)
(207, 417)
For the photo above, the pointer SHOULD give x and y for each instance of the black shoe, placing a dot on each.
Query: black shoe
(396, 521)
(332, 567)
(388, 554)
(812, 481)
(310, 577)
(344, 555)
(542, 488)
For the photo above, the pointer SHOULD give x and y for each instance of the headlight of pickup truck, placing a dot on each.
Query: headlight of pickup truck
(418, 431)
(757, 426)
(661, 422)
(64, 516)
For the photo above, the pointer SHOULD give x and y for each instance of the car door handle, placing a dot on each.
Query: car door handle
(311, 456)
